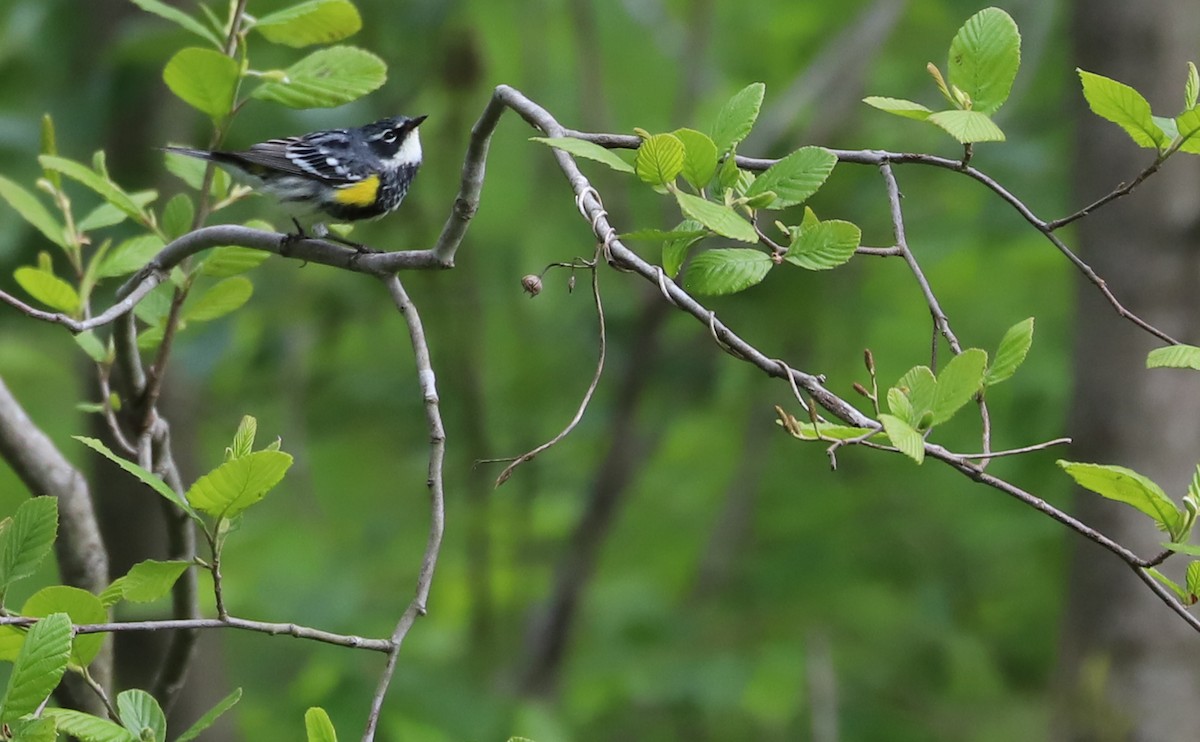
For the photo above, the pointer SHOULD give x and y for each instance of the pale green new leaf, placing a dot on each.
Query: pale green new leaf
(129, 256)
(967, 126)
(904, 437)
(220, 299)
(326, 78)
(88, 728)
(1187, 127)
(141, 715)
(162, 10)
(796, 177)
(39, 666)
(737, 117)
(147, 478)
(313, 22)
(588, 150)
(239, 483)
(94, 347)
(700, 157)
(726, 271)
(177, 216)
(1189, 549)
(243, 438)
(824, 245)
(31, 210)
(81, 606)
(205, 79)
(30, 729)
(318, 726)
(1124, 106)
(48, 289)
(1191, 88)
(211, 716)
(659, 160)
(28, 539)
(1014, 346)
(1174, 356)
(146, 582)
(1127, 486)
(106, 215)
(232, 260)
(718, 217)
(984, 57)
(957, 383)
(107, 189)
(906, 108)
(899, 404)
(1193, 582)
(1175, 588)
(675, 248)
(920, 386)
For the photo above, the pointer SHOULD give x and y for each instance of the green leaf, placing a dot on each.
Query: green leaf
(50, 147)
(1187, 127)
(130, 256)
(28, 539)
(38, 668)
(675, 249)
(806, 431)
(318, 726)
(1014, 346)
(729, 174)
(88, 728)
(899, 404)
(718, 217)
(162, 10)
(313, 22)
(659, 160)
(191, 171)
(661, 235)
(48, 289)
(958, 382)
(243, 439)
(737, 117)
(221, 299)
(1189, 549)
(700, 157)
(32, 211)
(81, 606)
(726, 271)
(1191, 88)
(29, 729)
(589, 150)
(146, 582)
(1127, 486)
(1124, 106)
(967, 126)
(920, 386)
(795, 177)
(141, 715)
(1174, 356)
(1193, 582)
(107, 215)
(205, 79)
(211, 716)
(239, 483)
(824, 245)
(232, 260)
(107, 189)
(95, 348)
(1175, 588)
(904, 437)
(326, 78)
(984, 58)
(177, 216)
(147, 478)
(899, 106)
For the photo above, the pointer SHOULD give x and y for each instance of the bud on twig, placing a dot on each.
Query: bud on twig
(532, 285)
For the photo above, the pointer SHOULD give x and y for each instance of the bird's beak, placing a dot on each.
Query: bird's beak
(416, 120)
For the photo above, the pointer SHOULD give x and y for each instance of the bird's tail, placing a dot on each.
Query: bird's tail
(200, 154)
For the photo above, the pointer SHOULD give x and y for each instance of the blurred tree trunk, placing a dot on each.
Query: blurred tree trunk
(1129, 668)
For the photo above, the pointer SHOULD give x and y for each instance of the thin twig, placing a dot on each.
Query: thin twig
(1016, 451)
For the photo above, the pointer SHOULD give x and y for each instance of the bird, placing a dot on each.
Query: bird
(347, 174)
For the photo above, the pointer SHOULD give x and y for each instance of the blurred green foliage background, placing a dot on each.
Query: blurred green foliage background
(744, 589)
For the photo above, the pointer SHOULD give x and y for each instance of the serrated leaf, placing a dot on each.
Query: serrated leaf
(659, 160)
(326, 78)
(318, 726)
(107, 189)
(1174, 356)
(33, 211)
(1191, 88)
(726, 271)
(675, 249)
(210, 717)
(11, 641)
(904, 437)
(38, 667)
(162, 10)
(967, 126)
(1014, 346)
(107, 215)
(1175, 588)
(205, 79)
(825, 245)
(898, 106)
(700, 157)
(920, 386)
(232, 260)
(147, 581)
(220, 299)
(984, 57)
(1127, 486)
(806, 431)
(48, 289)
(177, 216)
(144, 476)
(88, 728)
(239, 483)
(737, 117)
(728, 174)
(899, 404)
(1124, 106)
(957, 383)
(718, 217)
(130, 256)
(243, 439)
(34, 730)
(1193, 582)
(795, 177)
(141, 715)
(81, 606)
(313, 22)
(28, 539)
(586, 149)
(1187, 128)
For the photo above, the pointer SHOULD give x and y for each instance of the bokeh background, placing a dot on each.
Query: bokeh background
(678, 568)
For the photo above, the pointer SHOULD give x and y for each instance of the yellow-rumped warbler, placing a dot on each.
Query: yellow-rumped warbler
(349, 174)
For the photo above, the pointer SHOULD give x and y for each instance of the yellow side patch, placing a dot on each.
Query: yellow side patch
(361, 193)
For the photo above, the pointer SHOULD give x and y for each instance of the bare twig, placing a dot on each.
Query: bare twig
(1016, 451)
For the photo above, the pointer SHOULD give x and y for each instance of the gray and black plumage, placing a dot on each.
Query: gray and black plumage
(348, 174)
